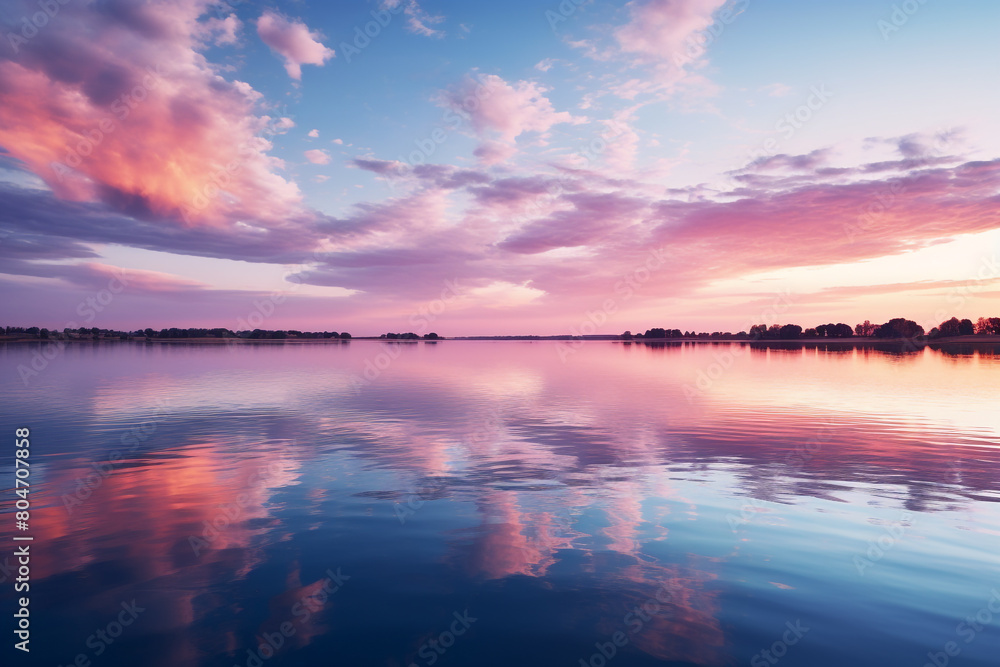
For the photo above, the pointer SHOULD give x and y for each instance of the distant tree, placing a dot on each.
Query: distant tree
(839, 330)
(758, 331)
(810, 333)
(773, 332)
(345, 336)
(657, 332)
(43, 334)
(790, 332)
(950, 327)
(899, 328)
(821, 331)
(627, 335)
(966, 328)
(866, 328)
(432, 336)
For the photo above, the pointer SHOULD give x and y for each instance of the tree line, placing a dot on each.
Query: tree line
(895, 328)
(96, 333)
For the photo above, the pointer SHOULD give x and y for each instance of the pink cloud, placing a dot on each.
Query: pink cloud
(293, 41)
(418, 21)
(667, 40)
(317, 156)
(120, 106)
(494, 152)
(667, 31)
(501, 112)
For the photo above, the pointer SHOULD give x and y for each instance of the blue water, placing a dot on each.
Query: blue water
(497, 503)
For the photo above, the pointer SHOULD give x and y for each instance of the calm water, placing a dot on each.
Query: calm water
(487, 503)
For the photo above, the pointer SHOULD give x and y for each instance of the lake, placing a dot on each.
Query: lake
(474, 503)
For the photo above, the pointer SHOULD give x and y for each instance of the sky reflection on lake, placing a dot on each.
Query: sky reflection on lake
(735, 492)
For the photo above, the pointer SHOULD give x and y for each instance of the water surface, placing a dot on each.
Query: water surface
(698, 504)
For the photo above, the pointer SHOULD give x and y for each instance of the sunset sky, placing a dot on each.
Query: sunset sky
(498, 168)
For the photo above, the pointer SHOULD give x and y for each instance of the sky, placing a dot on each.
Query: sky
(484, 168)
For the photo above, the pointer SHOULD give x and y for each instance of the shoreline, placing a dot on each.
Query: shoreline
(797, 342)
